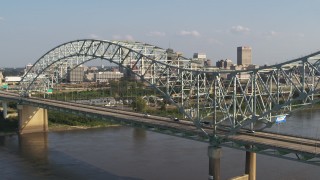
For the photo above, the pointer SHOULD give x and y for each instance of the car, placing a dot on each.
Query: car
(25, 95)
(207, 123)
(175, 119)
(146, 115)
(250, 131)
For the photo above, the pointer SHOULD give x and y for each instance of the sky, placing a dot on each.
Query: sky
(276, 31)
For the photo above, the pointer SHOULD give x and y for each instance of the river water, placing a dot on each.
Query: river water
(125, 153)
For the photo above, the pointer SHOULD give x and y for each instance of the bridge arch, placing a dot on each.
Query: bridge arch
(224, 98)
(150, 63)
(77, 52)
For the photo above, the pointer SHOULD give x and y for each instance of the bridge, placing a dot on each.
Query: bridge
(230, 101)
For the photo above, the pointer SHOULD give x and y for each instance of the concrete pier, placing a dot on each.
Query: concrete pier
(251, 165)
(32, 119)
(243, 177)
(5, 109)
(214, 154)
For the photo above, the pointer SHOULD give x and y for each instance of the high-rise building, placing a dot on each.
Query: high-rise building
(244, 56)
(75, 75)
(199, 60)
(1, 77)
(224, 64)
(106, 76)
(201, 56)
(28, 67)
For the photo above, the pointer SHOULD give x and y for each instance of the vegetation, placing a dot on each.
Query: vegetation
(8, 125)
(169, 112)
(75, 120)
(12, 72)
(55, 118)
(139, 104)
(122, 89)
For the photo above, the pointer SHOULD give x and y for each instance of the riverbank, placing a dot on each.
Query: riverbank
(59, 127)
(56, 122)
(64, 127)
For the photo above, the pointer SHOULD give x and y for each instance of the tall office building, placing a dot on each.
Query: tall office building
(244, 56)
(1, 77)
(224, 64)
(200, 56)
(28, 67)
(75, 75)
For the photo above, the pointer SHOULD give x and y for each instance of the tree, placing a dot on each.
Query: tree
(163, 106)
(139, 104)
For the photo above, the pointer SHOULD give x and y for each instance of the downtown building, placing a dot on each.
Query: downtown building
(75, 75)
(244, 56)
(1, 77)
(106, 76)
(244, 62)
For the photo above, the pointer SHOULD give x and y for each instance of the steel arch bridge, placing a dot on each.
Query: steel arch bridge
(226, 99)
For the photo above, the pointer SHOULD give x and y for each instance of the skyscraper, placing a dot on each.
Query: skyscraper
(76, 75)
(28, 67)
(244, 56)
(1, 77)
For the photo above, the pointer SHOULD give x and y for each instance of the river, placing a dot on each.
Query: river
(125, 153)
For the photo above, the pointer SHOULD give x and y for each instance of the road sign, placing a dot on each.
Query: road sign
(280, 119)
(5, 86)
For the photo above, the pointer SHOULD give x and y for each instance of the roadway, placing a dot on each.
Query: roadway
(263, 142)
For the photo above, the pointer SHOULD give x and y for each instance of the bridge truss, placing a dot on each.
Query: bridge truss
(226, 100)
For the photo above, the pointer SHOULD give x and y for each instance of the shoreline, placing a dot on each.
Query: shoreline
(63, 127)
(60, 127)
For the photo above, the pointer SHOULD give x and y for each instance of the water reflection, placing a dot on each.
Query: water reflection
(2, 140)
(139, 134)
(34, 146)
(133, 153)
(300, 123)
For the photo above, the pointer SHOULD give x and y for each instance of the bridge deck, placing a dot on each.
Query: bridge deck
(284, 142)
(264, 140)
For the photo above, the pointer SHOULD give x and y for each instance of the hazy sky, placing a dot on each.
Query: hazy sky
(276, 30)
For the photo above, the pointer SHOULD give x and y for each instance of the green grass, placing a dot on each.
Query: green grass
(55, 119)
(74, 120)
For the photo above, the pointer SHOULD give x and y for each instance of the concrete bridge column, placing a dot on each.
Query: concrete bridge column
(251, 165)
(32, 119)
(5, 109)
(214, 154)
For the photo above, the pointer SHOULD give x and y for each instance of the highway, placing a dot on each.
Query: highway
(262, 140)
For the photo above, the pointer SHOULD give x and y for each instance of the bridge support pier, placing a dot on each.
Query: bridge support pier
(32, 119)
(214, 154)
(251, 165)
(5, 109)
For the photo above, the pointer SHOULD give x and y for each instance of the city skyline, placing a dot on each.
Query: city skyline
(275, 31)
